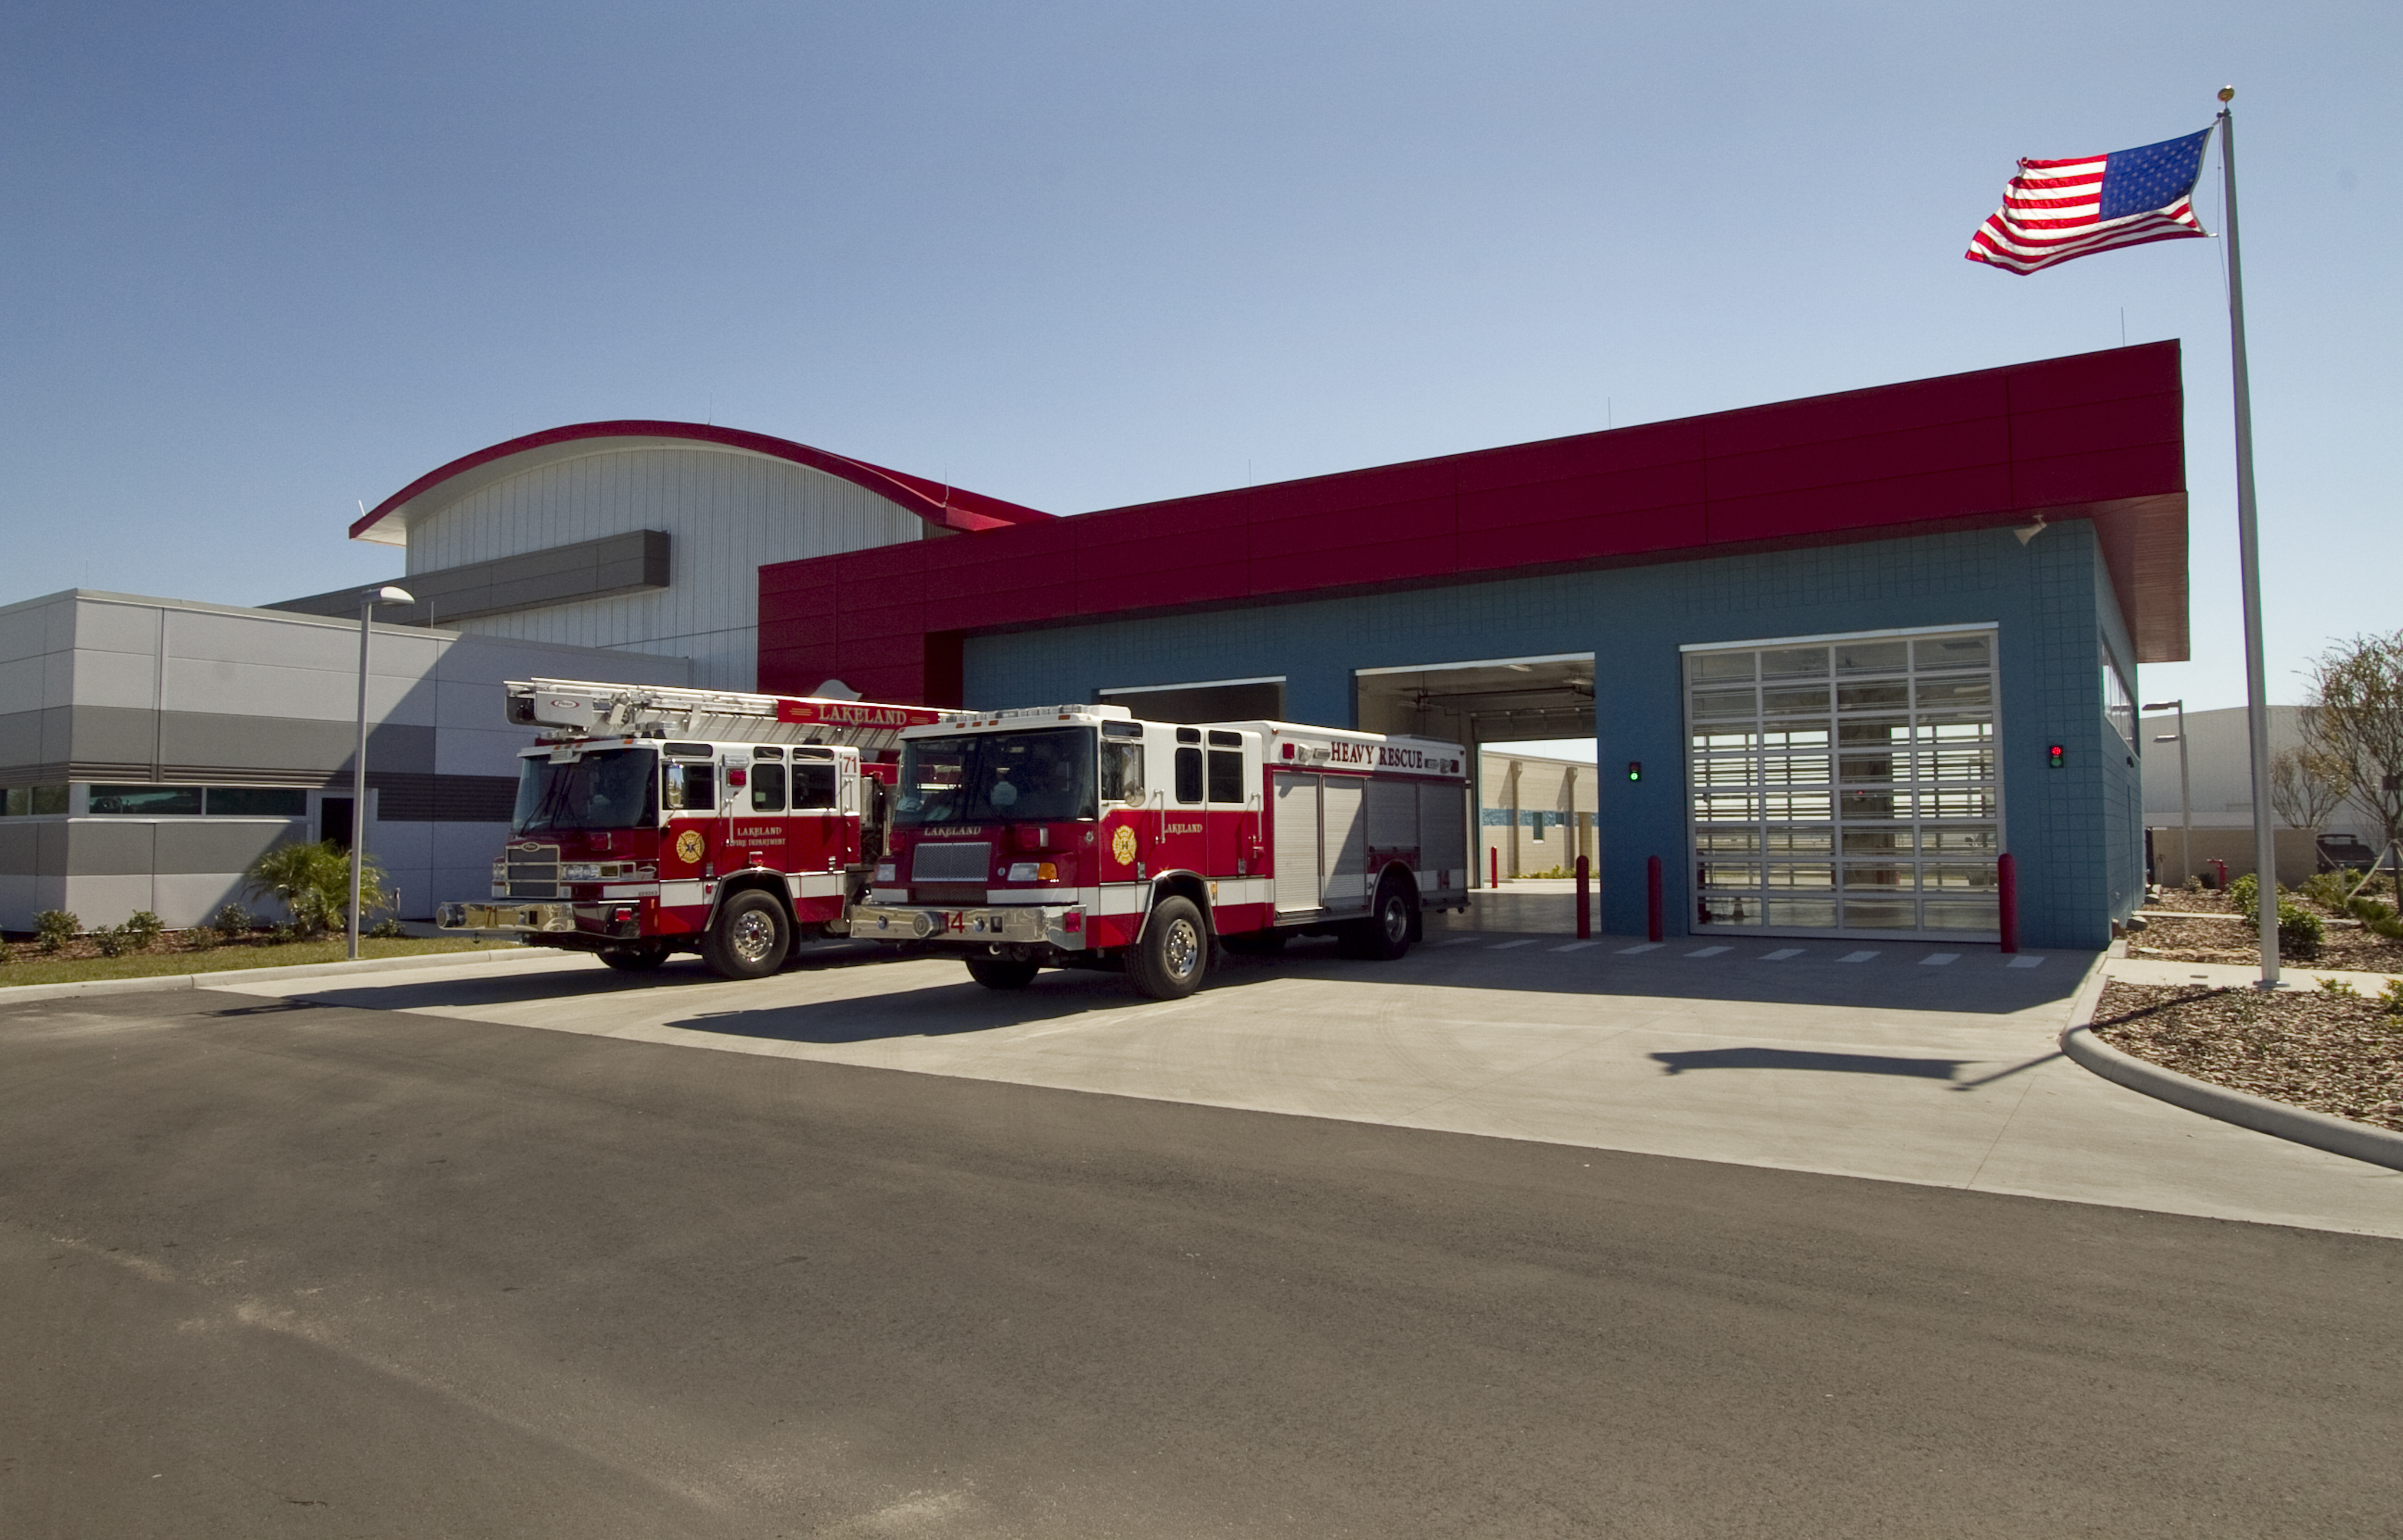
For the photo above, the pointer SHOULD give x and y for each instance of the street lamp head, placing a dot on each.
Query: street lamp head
(2167, 737)
(390, 595)
(2165, 705)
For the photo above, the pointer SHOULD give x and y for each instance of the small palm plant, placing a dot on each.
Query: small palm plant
(314, 883)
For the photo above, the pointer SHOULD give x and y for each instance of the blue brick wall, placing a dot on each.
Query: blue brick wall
(2072, 829)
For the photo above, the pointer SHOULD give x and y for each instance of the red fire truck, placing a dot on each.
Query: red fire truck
(1079, 836)
(652, 820)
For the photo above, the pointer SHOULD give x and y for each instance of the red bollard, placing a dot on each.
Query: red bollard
(1584, 897)
(1496, 862)
(2006, 896)
(1652, 897)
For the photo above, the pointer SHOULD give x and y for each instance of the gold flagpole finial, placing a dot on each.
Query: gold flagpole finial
(2227, 93)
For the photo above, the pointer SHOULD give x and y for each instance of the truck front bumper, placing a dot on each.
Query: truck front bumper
(617, 922)
(1012, 924)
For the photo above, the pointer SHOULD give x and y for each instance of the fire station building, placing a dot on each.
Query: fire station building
(1837, 655)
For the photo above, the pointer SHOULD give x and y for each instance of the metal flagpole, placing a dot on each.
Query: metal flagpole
(2248, 537)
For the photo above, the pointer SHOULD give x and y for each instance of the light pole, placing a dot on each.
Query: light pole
(2186, 803)
(368, 600)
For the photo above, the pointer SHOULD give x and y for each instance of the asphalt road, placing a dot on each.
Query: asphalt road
(270, 1269)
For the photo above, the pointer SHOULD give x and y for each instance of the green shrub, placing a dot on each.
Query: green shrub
(141, 929)
(2392, 1001)
(314, 884)
(232, 922)
(2194, 884)
(386, 930)
(2300, 931)
(55, 928)
(282, 936)
(2245, 893)
(2328, 889)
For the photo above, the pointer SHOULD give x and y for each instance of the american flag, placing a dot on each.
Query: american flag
(2055, 210)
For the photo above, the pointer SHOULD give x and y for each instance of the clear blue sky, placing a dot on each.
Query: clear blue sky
(263, 261)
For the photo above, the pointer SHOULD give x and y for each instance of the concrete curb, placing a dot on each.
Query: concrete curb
(159, 983)
(2337, 1135)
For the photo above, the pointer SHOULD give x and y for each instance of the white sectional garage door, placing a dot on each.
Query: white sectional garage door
(1845, 785)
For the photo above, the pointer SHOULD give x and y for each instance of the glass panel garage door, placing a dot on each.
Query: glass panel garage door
(1845, 786)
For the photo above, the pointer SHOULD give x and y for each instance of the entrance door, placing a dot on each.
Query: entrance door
(335, 820)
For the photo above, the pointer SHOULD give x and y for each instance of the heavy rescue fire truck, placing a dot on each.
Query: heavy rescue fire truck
(1079, 836)
(652, 820)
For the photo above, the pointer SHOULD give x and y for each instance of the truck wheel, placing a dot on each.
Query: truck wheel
(1385, 934)
(749, 938)
(1003, 973)
(1167, 963)
(642, 957)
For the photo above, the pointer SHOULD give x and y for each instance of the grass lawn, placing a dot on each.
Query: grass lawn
(29, 966)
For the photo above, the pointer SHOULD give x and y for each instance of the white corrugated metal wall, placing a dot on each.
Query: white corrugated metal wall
(726, 514)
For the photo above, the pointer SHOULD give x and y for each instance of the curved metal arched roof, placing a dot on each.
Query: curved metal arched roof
(945, 507)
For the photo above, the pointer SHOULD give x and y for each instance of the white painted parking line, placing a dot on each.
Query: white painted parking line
(1641, 946)
(1781, 954)
(2027, 962)
(1505, 946)
(1709, 951)
(1464, 940)
(1577, 946)
(1856, 957)
(1938, 959)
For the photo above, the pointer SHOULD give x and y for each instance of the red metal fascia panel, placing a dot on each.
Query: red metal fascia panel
(1430, 519)
(1134, 585)
(2148, 369)
(2121, 422)
(797, 605)
(1606, 499)
(1861, 504)
(1634, 450)
(2065, 480)
(1857, 414)
(1979, 442)
(1584, 539)
(901, 650)
(886, 564)
(1396, 561)
(1216, 517)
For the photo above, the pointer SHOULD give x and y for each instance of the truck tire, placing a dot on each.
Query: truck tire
(749, 938)
(1003, 973)
(642, 957)
(1385, 934)
(1168, 963)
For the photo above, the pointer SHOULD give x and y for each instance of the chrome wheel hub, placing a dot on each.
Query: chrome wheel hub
(753, 937)
(1182, 948)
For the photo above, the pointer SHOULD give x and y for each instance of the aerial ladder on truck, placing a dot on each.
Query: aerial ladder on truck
(655, 819)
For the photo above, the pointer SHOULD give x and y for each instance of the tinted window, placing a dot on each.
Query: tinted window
(813, 786)
(766, 787)
(146, 800)
(1121, 773)
(1226, 775)
(692, 788)
(1188, 775)
(257, 802)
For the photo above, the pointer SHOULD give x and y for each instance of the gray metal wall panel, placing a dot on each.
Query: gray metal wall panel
(19, 848)
(101, 848)
(195, 745)
(219, 844)
(624, 562)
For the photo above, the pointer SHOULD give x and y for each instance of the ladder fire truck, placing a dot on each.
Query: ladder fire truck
(651, 820)
(1079, 836)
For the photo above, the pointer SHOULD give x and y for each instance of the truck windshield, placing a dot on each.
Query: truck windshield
(1046, 774)
(609, 789)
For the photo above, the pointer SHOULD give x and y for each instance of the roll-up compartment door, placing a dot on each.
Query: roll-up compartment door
(1343, 845)
(1393, 815)
(1297, 842)
(1443, 829)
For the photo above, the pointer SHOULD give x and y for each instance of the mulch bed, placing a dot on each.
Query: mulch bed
(2347, 947)
(2330, 1053)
